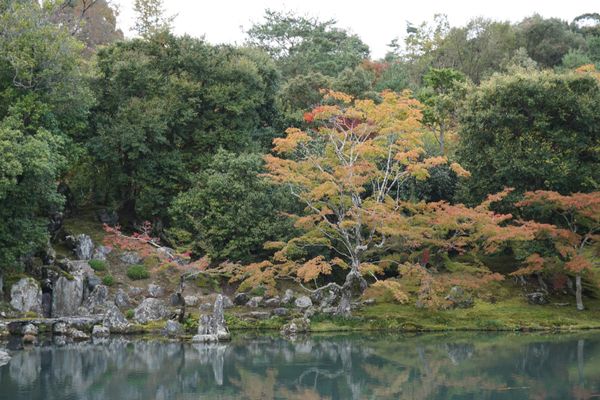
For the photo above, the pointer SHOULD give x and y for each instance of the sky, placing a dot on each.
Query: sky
(377, 22)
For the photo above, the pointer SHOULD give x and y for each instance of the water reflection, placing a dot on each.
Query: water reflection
(432, 366)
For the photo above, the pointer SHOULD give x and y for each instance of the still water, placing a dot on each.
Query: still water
(427, 366)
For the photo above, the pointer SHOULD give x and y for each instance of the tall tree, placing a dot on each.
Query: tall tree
(151, 18)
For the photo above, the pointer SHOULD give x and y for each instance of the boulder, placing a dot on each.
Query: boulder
(115, 320)
(83, 246)
(4, 357)
(258, 314)
(254, 301)
(212, 328)
(191, 301)
(206, 306)
(273, 302)
(100, 331)
(101, 252)
(26, 295)
(97, 300)
(227, 303)
(135, 291)
(303, 302)
(537, 298)
(241, 299)
(93, 281)
(77, 335)
(288, 297)
(281, 311)
(173, 328)
(122, 300)
(130, 257)
(49, 254)
(295, 326)
(60, 328)
(176, 300)
(155, 291)
(30, 329)
(67, 296)
(151, 309)
(458, 298)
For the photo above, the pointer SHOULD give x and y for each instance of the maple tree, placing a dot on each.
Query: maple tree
(576, 228)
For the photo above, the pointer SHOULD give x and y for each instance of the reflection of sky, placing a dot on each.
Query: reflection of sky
(341, 367)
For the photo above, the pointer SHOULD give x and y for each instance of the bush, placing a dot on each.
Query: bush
(129, 314)
(98, 265)
(137, 272)
(108, 280)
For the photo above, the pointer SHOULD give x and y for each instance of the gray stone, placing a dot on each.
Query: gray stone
(212, 328)
(130, 257)
(135, 291)
(67, 296)
(60, 328)
(4, 357)
(26, 295)
(281, 311)
(97, 301)
(537, 298)
(30, 329)
(93, 281)
(101, 252)
(241, 299)
(458, 298)
(206, 306)
(254, 301)
(227, 303)
(151, 309)
(258, 314)
(273, 302)
(191, 301)
(369, 302)
(49, 254)
(288, 297)
(122, 300)
(176, 299)
(77, 335)
(100, 331)
(295, 326)
(155, 291)
(173, 328)
(84, 247)
(303, 302)
(115, 320)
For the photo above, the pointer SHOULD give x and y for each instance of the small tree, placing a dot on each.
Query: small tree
(576, 227)
(348, 172)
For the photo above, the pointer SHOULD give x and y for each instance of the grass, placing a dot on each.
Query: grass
(98, 265)
(108, 280)
(137, 272)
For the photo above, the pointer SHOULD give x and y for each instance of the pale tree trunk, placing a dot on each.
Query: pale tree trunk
(353, 286)
(578, 292)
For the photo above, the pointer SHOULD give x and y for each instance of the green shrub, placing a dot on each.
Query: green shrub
(129, 314)
(98, 265)
(108, 280)
(136, 272)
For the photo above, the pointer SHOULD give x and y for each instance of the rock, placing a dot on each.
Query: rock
(130, 257)
(60, 328)
(303, 302)
(93, 281)
(155, 291)
(97, 301)
(458, 298)
(191, 301)
(115, 320)
(310, 311)
(295, 326)
(206, 306)
(151, 309)
(288, 297)
(369, 302)
(327, 296)
(135, 291)
(241, 299)
(254, 301)
(84, 247)
(227, 303)
(46, 304)
(537, 298)
(4, 330)
(273, 302)
(176, 300)
(258, 314)
(212, 328)
(107, 217)
(101, 252)
(30, 329)
(122, 300)
(30, 339)
(77, 335)
(99, 331)
(280, 311)
(49, 254)
(4, 357)
(67, 296)
(26, 295)
(173, 328)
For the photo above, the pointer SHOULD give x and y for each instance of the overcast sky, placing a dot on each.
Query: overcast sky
(377, 22)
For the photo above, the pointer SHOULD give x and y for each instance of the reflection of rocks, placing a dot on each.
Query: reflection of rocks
(4, 358)
(213, 354)
(459, 352)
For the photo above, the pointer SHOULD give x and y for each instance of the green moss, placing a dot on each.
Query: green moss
(137, 272)
(98, 265)
(234, 322)
(129, 314)
(108, 280)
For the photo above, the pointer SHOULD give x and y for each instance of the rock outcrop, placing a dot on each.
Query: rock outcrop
(26, 295)
(67, 296)
(83, 247)
(212, 327)
(150, 310)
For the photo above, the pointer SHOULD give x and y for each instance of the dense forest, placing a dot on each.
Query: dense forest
(468, 156)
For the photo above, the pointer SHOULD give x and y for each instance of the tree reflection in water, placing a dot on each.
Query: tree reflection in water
(428, 366)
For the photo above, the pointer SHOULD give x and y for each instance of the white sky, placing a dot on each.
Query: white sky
(377, 22)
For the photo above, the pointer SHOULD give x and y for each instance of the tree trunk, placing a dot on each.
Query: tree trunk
(578, 292)
(354, 285)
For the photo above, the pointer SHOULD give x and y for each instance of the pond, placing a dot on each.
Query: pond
(357, 366)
